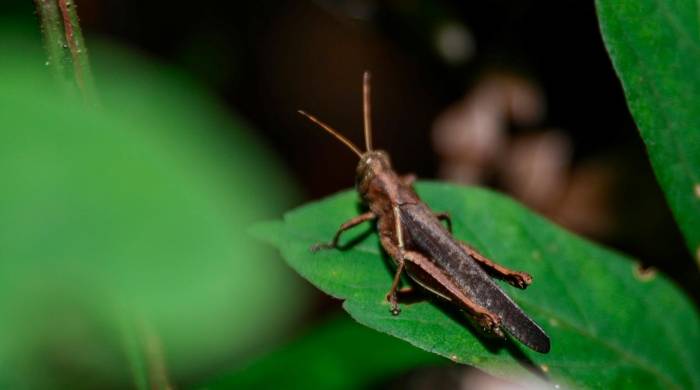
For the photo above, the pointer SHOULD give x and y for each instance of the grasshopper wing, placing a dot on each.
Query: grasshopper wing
(426, 234)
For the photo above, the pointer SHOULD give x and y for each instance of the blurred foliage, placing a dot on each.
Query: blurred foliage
(611, 325)
(124, 258)
(339, 354)
(655, 48)
(129, 220)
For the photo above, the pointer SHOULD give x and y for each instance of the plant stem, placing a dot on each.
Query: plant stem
(145, 354)
(67, 54)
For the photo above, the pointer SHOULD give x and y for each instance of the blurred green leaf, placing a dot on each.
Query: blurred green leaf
(137, 212)
(655, 48)
(339, 354)
(609, 326)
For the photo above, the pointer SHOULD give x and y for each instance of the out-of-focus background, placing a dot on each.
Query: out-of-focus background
(123, 234)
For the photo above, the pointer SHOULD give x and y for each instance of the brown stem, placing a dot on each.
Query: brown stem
(67, 53)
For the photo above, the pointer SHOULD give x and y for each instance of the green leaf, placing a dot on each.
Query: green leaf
(339, 354)
(655, 48)
(609, 326)
(124, 229)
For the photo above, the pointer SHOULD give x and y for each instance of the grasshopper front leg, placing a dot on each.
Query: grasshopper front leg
(368, 216)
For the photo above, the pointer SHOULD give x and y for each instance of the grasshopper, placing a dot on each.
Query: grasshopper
(420, 245)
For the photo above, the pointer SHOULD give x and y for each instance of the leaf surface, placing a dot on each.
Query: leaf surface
(133, 213)
(609, 326)
(655, 48)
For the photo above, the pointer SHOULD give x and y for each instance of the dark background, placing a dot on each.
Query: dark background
(266, 59)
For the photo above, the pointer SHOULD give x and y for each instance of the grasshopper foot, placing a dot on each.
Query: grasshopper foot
(394, 310)
(520, 279)
(490, 323)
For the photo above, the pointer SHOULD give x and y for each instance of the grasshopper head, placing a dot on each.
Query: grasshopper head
(373, 164)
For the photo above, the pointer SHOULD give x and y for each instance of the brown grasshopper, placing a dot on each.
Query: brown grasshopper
(416, 240)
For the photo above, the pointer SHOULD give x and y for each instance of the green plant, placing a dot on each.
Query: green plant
(123, 227)
(654, 47)
(599, 310)
(139, 206)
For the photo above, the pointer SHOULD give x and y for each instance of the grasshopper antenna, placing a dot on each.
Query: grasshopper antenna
(367, 110)
(333, 132)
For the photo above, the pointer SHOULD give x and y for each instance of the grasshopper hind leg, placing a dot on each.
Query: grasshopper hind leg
(515, 278)
(485, 319)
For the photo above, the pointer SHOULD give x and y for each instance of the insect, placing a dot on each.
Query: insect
(420, 245)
